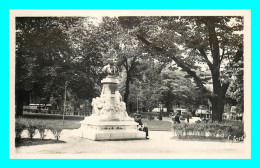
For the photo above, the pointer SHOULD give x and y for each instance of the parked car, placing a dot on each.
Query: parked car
(192, 120)
(195, 120)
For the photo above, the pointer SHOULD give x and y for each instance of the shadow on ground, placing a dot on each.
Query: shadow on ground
(33, 142)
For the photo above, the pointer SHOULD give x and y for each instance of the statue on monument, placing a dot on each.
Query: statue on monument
(110, 68)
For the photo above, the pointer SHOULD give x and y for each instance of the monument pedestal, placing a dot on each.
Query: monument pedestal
(109, 119)
(111, 131)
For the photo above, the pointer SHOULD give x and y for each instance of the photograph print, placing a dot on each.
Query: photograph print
(130, 84)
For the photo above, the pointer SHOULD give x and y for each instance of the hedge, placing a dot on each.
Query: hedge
(228, 131)
(32, 126)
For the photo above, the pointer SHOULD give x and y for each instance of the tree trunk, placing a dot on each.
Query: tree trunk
(217, 108)
(127, 88)
(130, 109)
(219, 90)
(168, 111)
(19, 102)
(217, 100)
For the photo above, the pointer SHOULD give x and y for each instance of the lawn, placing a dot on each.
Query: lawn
(73, 122)
(51, 120)
(157, 125)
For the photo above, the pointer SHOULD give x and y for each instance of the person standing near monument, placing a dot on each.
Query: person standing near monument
(177, 118)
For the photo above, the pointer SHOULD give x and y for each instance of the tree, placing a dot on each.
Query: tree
(178, 90)
(191, 40)
(48, 54)
(122, 47)
(236, 90)
(35, 38)
(146, 84)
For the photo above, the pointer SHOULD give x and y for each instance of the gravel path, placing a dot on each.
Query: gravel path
(160, 142)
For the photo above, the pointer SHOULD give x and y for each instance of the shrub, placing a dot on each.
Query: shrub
(20, 126)
(31, 126)
(56, 132)
(209, 130)
(150, 117)
(42, 128)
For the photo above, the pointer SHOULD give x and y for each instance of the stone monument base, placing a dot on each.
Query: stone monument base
(111, 130)
(109, 119)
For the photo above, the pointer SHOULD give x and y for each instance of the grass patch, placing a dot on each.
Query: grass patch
(73, 122)
(33, 142)
(70, 122)
(157, 125)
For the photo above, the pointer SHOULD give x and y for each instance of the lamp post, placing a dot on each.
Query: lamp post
(137, 96)
(160, 107)
(137, 111)
(65, 97)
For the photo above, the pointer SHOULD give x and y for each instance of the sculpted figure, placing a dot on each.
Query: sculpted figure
(97, 105)
(110, 68)
(121, 104)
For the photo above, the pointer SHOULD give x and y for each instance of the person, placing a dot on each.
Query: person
(141, 126)
(177, 118)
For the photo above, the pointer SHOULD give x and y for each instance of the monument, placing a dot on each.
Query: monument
(109, 119)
